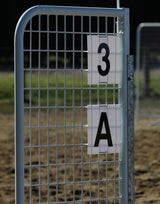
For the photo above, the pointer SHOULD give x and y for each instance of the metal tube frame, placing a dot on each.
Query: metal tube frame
(123, 16)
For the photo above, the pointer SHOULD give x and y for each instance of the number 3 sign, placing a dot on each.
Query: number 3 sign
(104, 59)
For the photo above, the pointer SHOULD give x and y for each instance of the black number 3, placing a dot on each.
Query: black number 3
(105, 59)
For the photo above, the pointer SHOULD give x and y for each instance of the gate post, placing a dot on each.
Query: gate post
(130, 117)
(123, 26)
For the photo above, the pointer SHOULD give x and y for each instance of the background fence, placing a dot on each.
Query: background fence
(148, 70)
(52, 97)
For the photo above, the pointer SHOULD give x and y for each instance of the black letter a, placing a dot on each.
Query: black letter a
(101, 136)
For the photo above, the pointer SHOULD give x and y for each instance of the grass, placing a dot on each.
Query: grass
(40, 94)
(6, 90)
(72, 89)
(6, 93)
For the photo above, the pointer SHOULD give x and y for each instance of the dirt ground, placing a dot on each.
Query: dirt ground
(147, 162)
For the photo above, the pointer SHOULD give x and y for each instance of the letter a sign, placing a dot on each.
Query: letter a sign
(106, 135)
(104, 129)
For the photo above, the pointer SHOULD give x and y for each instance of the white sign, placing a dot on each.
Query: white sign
(104, 129)
(104, 59)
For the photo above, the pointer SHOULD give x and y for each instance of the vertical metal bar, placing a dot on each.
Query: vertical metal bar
(39, 103)
(30, 110)
(118, 3)
(73, 105)
(130, 130)
(123, 157)
(114, 85)
(90, 102)
(106, 102)
(114, 102)
(48, 147)
(106, 90)
(98, 102)
(56, 104)
(65, 129)
(137, 70)
(19, 114)
(98, 84)
(82, 115)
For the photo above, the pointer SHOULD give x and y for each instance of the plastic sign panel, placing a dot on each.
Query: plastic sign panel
(104, 59)
(104, 129)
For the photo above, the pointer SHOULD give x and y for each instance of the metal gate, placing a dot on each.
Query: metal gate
(54, 97)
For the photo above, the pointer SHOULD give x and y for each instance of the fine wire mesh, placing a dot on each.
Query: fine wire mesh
(148, 70)
(57, 167)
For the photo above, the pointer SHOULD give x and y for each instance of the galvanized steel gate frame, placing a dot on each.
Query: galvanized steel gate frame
(126, 158)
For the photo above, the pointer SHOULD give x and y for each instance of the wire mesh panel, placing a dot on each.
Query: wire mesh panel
(148, 70)
(52, 98)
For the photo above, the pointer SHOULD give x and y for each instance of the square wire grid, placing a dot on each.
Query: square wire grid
(56, 94)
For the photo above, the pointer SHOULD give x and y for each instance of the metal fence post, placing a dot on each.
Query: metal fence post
(19, 117)
(123, 171)
(130, 117)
